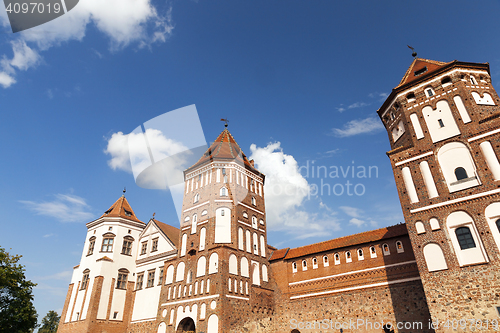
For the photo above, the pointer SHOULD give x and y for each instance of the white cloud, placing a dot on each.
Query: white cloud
(358, 126)
(340, 109)
(130, 153)
(286, 190)
(356, 222)
(357, 105)
(65, 208)
(352, 211)
(123, 22)
(6, 80)
(64, 275)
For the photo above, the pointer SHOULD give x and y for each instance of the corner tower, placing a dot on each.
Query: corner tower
(222, 272)
(443, 121)
(101, 292)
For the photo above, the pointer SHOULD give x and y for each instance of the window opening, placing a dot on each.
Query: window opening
(440, 121)
(464, 238)
(460, 173)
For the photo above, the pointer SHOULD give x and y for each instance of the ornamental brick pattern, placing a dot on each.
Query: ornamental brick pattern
(442, 117)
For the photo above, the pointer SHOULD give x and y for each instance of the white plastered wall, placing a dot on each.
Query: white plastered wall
(443, 113)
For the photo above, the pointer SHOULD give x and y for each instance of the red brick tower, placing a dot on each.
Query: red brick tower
(221, 277)
(443, 121)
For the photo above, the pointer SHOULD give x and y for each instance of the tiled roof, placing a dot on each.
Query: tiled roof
(171, 232)
(224, 148)
(121, 208)
(279, 254)
(420, 64)
(361, 238)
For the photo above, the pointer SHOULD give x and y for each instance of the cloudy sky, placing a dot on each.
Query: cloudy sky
(299, 81)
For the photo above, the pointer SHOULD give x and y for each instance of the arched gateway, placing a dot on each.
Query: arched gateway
(186, 326)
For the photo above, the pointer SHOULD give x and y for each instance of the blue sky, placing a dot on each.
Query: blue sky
(299, 81)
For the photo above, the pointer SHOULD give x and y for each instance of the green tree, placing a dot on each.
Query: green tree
(17, 313)
(50, 323)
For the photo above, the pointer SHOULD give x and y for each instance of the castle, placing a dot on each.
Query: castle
(438, 272)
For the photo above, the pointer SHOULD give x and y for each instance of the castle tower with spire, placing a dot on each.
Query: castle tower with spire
(222, 265)
(443, 121)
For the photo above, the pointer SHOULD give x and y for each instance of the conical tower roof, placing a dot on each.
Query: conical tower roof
(121, 208)
(224, 148)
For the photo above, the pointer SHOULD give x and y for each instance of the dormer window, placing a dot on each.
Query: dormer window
(108, 211)
(420, 71)
(127, 212)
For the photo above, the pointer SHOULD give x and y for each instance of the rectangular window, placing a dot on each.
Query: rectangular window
(151, 279)
(107, 245)
(440, 121)
(430, 92)
(160, 278)
(121, 283)
(155, 245)
(140, 279)
(127, 247)
(115, 315)
(91, 246)
(144, 248)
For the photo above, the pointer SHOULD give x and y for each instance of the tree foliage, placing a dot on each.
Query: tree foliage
(50, 323)
(17, 313)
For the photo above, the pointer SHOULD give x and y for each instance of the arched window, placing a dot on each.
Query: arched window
(473, 80)
(189, 277)
(464, 238)
(255, 244)
(223, 192)
(127, 245)
(245, 215)
(399, 247)
(419, 226)
(410, 97)
(180, 272)
(169, 278)
(244, 267)
(214, 263)
(233, 264)
(262, 246)
(91, 245)
(446, 81)
(315, 263)
(184, 245)
(121, 281)
(254, 222)
(360, 254)
(294, 267)
(85, 279)
(348, 256)
(193, 224)
(337, 259)
(373, 253)
(254, 202)
(434, 257)
(386, 250)
(304, 265)
(201, 266)
(196, 198)
(248, 239)
(264, 273)
(460, 173)
(325, 261)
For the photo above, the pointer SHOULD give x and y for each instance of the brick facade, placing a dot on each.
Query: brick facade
(356, 283)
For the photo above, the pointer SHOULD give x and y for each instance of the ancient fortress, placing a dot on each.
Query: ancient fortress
(216, 273)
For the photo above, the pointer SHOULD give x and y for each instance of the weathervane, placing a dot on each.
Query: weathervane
(414, 54)
(154, 215)
(124, 190)
(226, 121)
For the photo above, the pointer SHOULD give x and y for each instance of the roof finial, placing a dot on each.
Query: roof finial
(225, 120)
(414, 54)
(154, 215)
(124, 190)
